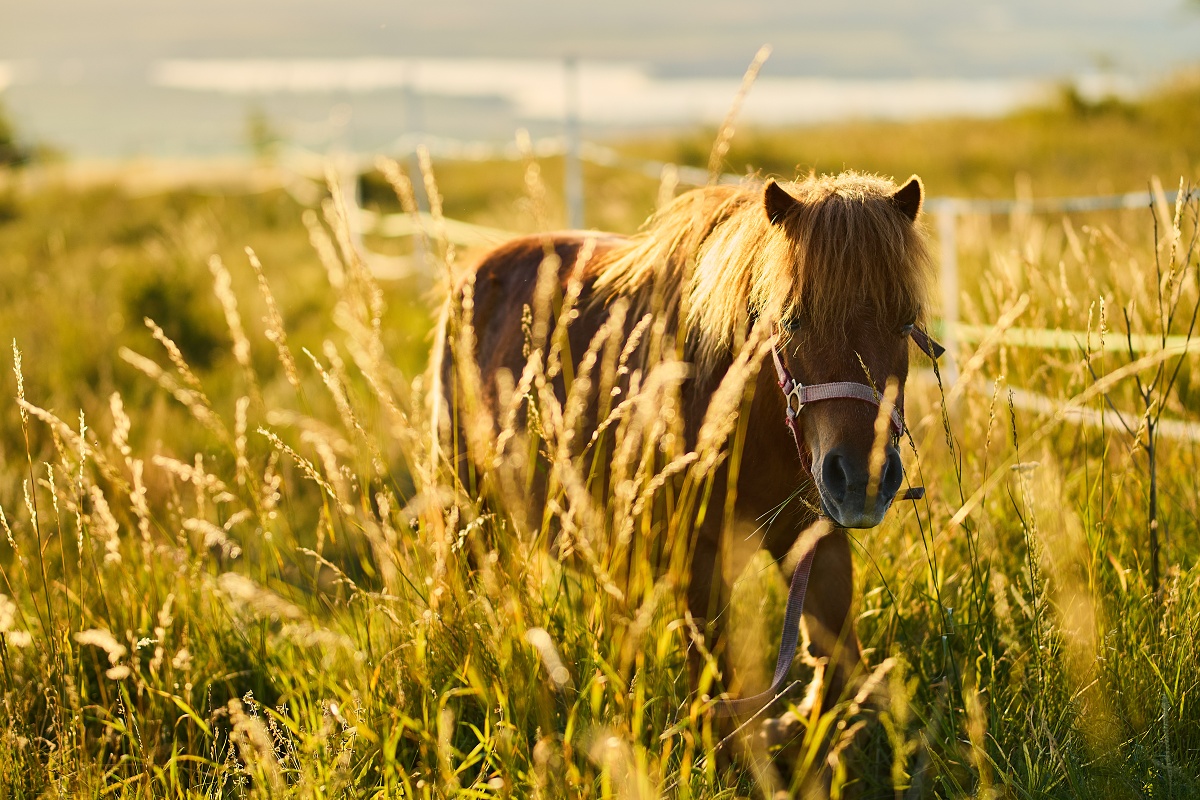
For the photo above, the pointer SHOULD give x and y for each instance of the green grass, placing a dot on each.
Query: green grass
(287, 595)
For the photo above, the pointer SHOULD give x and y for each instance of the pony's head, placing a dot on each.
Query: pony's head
(852, 278)
(837, 263)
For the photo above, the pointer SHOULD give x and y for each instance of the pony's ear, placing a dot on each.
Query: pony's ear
(909, 196)
(776, 201)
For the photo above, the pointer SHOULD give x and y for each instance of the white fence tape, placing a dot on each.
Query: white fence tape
(1179, 430)
(466, 234)
(1058, 339)
(1043, 205)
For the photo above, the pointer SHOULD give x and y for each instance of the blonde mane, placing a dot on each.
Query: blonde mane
(711, 259)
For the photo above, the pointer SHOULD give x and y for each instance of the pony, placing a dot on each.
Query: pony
(838, 267)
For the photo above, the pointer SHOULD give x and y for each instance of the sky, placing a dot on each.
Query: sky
(87, 74)
(853, 38)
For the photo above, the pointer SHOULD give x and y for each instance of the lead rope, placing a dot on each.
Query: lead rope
(790, 636)
(787, 646)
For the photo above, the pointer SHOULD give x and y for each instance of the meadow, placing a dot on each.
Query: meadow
(235, 562)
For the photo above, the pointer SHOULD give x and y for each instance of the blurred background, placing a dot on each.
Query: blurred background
(123, 78)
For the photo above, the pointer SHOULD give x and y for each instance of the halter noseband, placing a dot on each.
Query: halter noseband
(797, 395)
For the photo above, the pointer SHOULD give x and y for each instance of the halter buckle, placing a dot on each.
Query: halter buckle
(794, 394)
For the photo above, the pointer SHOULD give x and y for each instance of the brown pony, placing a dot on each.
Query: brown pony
(838, 266)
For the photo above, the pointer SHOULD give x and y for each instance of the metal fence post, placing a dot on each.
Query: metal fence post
(572, 165)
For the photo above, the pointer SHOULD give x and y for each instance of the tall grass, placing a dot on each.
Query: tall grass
(294, 591)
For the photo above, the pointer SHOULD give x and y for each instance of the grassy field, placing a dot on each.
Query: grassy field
(234, 565)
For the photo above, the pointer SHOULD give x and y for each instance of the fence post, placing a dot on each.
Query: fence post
(414, 129)
(947, 224)
(572, 166)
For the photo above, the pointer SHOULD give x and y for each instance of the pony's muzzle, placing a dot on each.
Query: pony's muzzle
(844, 483)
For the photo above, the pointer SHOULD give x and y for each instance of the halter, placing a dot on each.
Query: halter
(796, 397)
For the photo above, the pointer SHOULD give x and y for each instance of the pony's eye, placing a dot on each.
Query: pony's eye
(791, 324)
(907, 329)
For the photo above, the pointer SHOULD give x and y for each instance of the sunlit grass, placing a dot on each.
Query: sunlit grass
(247, 568)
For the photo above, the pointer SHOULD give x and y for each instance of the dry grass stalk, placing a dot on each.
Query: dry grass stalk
(274, 322)
(884, 432)
(725, 133)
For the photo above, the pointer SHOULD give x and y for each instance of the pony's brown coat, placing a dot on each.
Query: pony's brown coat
(844, 258)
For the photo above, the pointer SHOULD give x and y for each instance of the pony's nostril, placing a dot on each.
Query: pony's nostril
(893, 474)
(834, 477)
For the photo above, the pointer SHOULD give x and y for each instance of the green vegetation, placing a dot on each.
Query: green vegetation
(252, 576)
(11, 153)
(262, 135)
